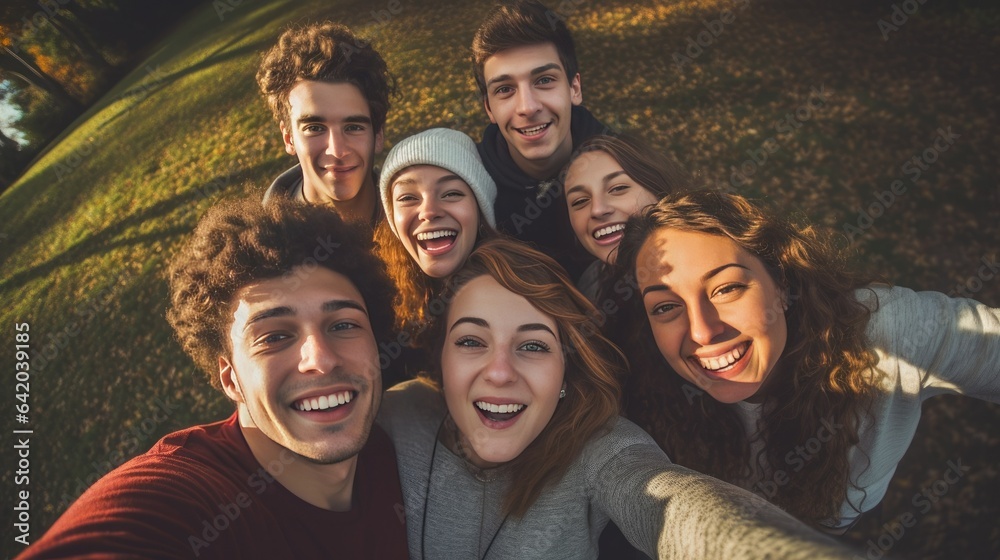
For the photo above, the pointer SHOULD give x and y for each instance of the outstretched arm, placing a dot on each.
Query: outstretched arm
(670, 512)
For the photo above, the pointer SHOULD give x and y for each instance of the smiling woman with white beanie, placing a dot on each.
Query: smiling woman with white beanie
(438, 201)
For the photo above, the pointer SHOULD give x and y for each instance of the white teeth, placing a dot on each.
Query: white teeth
(717, 363)
(498, 408)
(608, 230)
(435, 234)
(324, 402)
(533, 130)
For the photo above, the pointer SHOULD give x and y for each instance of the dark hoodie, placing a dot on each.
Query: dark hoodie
(289, 185)
(533, 210)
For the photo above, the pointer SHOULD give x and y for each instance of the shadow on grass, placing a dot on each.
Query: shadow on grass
(140, 92)
(114, 236)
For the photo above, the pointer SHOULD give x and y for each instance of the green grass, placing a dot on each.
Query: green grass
(86, 233)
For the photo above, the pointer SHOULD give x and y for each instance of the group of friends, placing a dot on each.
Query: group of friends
(573, 341)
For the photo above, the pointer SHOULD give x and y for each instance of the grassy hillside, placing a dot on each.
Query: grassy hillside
(839, 106)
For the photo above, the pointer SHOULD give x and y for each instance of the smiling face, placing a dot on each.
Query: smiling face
(530, 97)
(436, 217)
(304, 367)
(601, 197)
(715, 311)
(502, 370)
(332, 135)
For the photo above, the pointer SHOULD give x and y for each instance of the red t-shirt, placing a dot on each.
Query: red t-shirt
(200, 493)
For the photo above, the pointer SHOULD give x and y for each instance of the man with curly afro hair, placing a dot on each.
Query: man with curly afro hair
(282, 305)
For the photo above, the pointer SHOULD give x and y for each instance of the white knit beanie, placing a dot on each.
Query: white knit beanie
(444, 148)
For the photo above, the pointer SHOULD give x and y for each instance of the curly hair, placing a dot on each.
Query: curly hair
(827, 374)
(324, 52)
(593, 363)
(240, 242)
(520, 23)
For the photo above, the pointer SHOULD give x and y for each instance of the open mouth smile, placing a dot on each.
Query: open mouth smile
(438, 241)
(499, 415)
(324, 402)
(534, 130)
(727, 364)
(609, 234)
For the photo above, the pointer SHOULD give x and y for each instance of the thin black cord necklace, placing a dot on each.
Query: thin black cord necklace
(427, 492)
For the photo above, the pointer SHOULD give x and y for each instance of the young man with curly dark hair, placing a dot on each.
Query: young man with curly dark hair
(524, 62)
(330, 91)
(281, 304)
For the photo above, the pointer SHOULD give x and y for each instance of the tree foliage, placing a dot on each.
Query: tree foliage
(58, 56)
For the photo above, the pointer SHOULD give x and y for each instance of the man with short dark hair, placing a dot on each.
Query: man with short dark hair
(525, 65)
(329, 91)
(281, 304)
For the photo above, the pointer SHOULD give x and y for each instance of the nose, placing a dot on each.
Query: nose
(316, 355)
(336, 145)
(599, 207)
(527, 102)
(500, 370)
(430, 208)
(704, 323)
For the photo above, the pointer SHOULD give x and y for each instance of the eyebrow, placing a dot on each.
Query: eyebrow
(527, 327)
(352, 119)
(607, 179)
(706, 276)
(534, 72)
(448, 178)
(338, 304)
(286, 311)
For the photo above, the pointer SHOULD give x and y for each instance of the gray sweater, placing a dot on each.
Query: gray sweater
(928, 344)
(665, 510)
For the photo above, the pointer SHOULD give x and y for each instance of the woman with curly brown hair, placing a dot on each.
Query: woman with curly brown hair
(513, 447)
(764, 361)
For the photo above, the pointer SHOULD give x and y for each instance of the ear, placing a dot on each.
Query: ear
(286, 137)
(576, 90)
(229, 381)
(379, 141)
(486, 105)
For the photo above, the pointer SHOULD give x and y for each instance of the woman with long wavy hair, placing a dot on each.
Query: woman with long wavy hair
(512, 446)
(764, 361)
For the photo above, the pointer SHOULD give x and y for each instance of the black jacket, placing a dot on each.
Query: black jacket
(533, 210)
